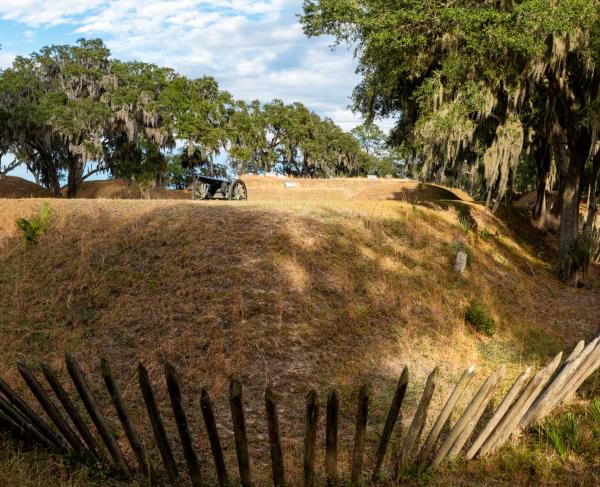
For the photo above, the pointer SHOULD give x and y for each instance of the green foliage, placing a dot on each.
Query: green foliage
(36, 226)
(562, 433)
(480, 318)
(465, 219)
(595, 410)
(554, 434)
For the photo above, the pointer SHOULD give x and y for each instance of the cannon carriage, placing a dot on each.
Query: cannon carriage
(208, 188)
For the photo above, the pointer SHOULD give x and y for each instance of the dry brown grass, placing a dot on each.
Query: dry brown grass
(292, 294)
(14, 187)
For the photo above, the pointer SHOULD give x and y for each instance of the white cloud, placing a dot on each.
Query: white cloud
(6, 59)
(255, 49)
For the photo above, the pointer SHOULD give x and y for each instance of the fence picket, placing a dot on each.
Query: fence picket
(508, 400)
(32, 417)
(53, 413)
(461, 424)
(213, 437)
(191, 459)
(23, 424)
(96, 415)
(236, 402)
(518, 409)
(164, 447)
(390, 422)
(310, 438)
(331, 438)
(362, 412)
(274, 439)
(416, 426)
(72, 412)
(130, 433)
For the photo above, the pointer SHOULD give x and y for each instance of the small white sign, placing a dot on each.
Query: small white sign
(371, 176)
(290, 184)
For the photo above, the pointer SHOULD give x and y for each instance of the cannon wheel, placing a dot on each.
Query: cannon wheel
(237, 191)
(202, 191)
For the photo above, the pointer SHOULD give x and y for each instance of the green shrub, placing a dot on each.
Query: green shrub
(480, 318)
(36, 226)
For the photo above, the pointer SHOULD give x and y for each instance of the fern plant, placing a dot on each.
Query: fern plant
(36, 226)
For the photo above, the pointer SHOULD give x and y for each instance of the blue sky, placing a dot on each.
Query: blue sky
(255, 49)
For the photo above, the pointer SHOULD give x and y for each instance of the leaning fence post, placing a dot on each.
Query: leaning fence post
(157, 425)
(189, 453)
(213, 437)
(362, 412)
(516, 412)
(434, 434)
(51, 410)
(23, 408)
(514, 391)
(94, 411)
(547, 399)
(236, 402)
(310, 438)
(23, 423)
(418, 422)
(390, 422)
(468, 414)
(117, 400)
(470, 425)
(274, 439)
(71, 410)
(331, 438)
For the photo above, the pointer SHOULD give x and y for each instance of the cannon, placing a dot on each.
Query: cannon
(208, 188)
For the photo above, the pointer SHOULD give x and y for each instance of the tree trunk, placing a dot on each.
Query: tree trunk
(76, 168)
(592, 206)
(543, 159)
(571, 263)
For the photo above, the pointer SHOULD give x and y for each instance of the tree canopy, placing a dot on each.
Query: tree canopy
(69, 111)
(479, 88)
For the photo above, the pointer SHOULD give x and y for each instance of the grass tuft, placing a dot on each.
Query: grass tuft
(480, 318)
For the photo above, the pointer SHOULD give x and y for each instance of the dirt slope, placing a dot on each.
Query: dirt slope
(295, 295)
(14, 187)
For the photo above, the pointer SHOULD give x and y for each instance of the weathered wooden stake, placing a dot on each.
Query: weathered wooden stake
(236, 403)
(51, 410)
(512, 418)
(417, 423)
(472, 422)
(174, 388)
(213, 436)
(132, 436)
(93, 410)
(462, 423)
(40, 425)
(362, 412)
(23, 424)
(274, 440)
(71, 410)
(310, 438)
(551, 394)
(160, 434)
(587, 368)
(390, 423)
(434, 434)
(331, 438)
(508, 400)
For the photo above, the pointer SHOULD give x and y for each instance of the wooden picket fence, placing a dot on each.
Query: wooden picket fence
(528, 401)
